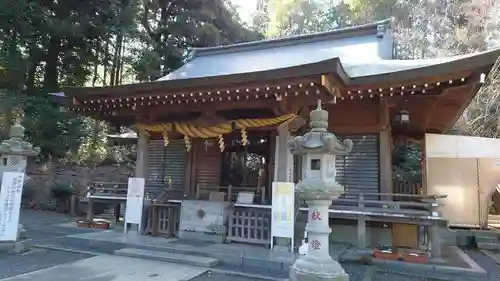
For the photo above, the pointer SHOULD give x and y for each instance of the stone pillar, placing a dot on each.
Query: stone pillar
(318, 188)
(318, 228)
(361, 230)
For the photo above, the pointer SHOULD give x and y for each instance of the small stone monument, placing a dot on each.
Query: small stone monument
(14, 152)
(318, 188)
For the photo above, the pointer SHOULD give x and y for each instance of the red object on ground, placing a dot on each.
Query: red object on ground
(84, 224)
(386, 254)
(415, 256)
(101, 225)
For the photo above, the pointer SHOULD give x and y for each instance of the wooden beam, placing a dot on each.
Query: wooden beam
(430, 113)
(385, 161)
(354, 129)
(384, 118)
(332, 85)
(259, 87)
(385, 147)
(430, 80)
(456, 98)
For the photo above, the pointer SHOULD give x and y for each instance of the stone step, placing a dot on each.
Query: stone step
(488, 246)
(487, 233)
(486, 239)
(167, 257)
(494, 217)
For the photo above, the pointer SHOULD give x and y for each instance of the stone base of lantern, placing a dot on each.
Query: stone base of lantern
(324, 269)
(13, 247)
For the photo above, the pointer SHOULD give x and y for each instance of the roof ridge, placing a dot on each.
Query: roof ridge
(364, 29)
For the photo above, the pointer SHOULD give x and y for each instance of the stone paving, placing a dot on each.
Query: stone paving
(37, 259)
(113, 268)
(45, 227)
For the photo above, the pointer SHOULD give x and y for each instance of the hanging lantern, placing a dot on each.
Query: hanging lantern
(244, 139)
(165, 138)
(187, 141)
(402, 117)
(221, 143)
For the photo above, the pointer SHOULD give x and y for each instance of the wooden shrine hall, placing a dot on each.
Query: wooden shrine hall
(213, 134)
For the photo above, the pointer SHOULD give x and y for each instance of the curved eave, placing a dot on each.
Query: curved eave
(429, 68)
(317, 68)
(399, 72)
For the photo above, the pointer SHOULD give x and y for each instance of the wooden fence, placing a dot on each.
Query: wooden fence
(163, 219)
(250, 225)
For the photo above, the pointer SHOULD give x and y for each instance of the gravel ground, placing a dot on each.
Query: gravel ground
(36, 259)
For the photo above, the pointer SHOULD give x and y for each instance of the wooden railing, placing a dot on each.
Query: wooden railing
(103, 190)
(230, 192)
(408, 189)
(252, 223)
(163, 219)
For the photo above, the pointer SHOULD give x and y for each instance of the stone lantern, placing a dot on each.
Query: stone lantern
(14, 151)
(318, 188)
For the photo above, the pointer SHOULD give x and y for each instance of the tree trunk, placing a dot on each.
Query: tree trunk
(118, 58)
(51, 64)
(106, 63)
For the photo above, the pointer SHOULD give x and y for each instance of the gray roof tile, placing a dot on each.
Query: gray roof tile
(359, 43)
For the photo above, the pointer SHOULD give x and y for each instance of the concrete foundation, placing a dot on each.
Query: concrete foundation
(375, 236)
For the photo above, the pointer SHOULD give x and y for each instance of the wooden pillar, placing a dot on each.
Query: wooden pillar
(195, 150)
(385, 161)
(141, 170)
(283, 169)
(189, 170)
(423, 168)
(271, 167)
(385, 148)
(142, 150)
(361, 224)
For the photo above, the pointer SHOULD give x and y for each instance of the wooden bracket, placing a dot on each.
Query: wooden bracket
(332, 85)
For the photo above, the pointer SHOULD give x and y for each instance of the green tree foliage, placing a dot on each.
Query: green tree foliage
(172, 28)
(423, 29)
(47, 44)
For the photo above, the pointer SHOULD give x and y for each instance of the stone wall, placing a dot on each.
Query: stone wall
(43, 177)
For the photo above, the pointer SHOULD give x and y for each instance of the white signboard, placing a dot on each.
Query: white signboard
(10, 203)
(135, 201)
(283, 211)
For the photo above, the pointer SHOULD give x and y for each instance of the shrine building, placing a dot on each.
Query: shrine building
(218, 127)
